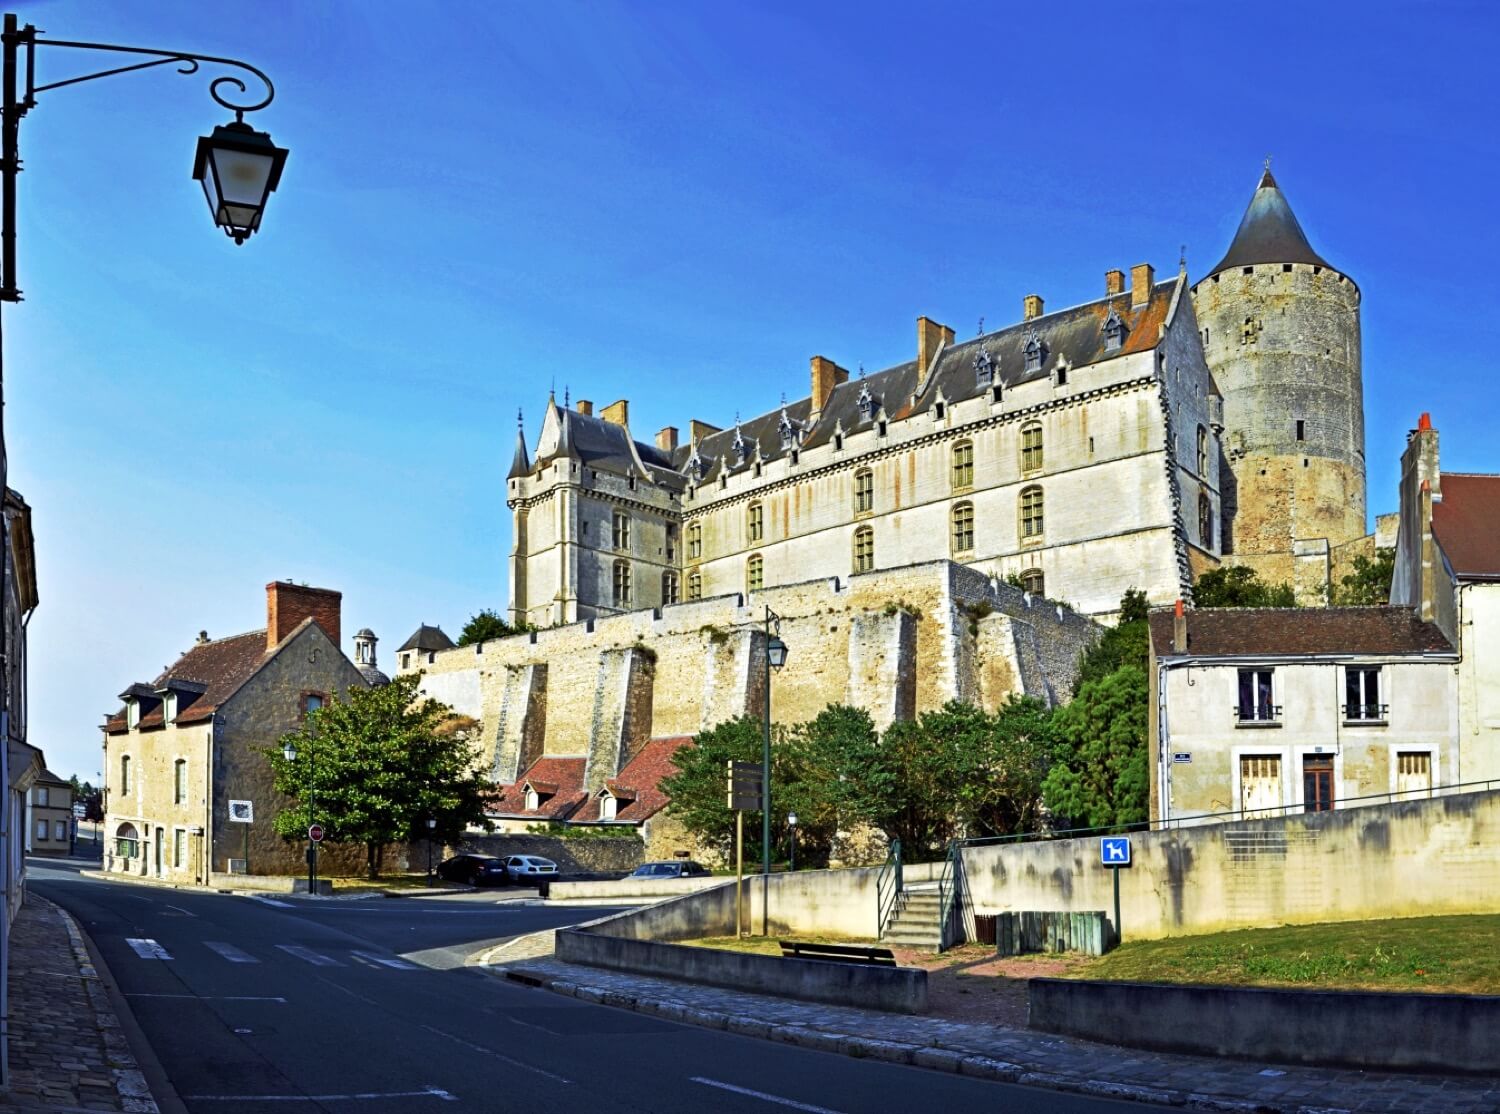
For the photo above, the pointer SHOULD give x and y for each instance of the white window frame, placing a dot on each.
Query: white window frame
(533, 799)
(132, 713)
(179, 861)
(609, 807)
(60, 831)
(42, 830)
(179, 781)
(39, 796)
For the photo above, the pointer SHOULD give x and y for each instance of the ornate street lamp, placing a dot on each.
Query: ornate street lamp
(238, 168)
(775, 659)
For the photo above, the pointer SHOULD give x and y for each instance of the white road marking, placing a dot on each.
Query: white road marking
(230, 952)
(149, 949)
(495, 1055)
(307, 955)
(385, 961)
(793, 1103)
(181, 912)
(365, 1096)
(210, 997)
(271, 901)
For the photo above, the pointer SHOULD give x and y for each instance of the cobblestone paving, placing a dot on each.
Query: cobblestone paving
(1018, 1055)
(67, 1051)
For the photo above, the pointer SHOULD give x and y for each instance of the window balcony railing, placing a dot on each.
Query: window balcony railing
(1257, 715)
(1365, 713)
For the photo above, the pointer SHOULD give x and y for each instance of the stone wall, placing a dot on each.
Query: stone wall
(570, 855)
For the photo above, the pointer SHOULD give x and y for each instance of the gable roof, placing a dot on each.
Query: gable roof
(1268, 232)
(558, 779)
(637, 787)
(1467, 523)
(221, 666)
(427, 638)
(1282, 632)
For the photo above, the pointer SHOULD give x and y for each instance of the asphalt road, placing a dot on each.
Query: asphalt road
(252, 1006)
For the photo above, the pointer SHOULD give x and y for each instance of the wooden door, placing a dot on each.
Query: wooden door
(1260, 784)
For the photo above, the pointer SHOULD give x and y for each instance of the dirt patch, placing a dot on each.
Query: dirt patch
(972, 984)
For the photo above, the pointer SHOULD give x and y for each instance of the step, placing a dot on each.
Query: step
(933, 941)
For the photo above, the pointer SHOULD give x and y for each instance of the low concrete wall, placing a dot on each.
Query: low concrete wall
(1349, 1028)
(266, 883)
(629, 889)
(572, 856)
(1409, 859)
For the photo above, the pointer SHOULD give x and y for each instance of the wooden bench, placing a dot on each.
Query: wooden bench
(838, 953)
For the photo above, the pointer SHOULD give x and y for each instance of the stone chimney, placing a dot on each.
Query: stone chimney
(585, 407)
(1114, 282)
(666, 440)
(1031, 307)
(931, 339)
(697, 431)
(826, 375)
(1142, 275)
(1179, 629)
(202, 637)
(287, 604)
(617, 413)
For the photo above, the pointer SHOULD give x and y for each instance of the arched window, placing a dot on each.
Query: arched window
(864, 549)
(963, 528)
(695, 540)
(533, 798)
(1031, 447)
(1031, 513)
(755, 522)
(622, 584)
(1202, 453)
(1034, 582)
(755, 573)
(127, 842)
(124, 774)
(608, 807)
(695, 585)
(668, 588)
(1205, 522)
(963, 465)
(864, 491)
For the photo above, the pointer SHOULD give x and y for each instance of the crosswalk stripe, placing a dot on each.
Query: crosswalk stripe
(385, 961)
(149, 949)
(307, 955)
(270, 901)
(230, 952)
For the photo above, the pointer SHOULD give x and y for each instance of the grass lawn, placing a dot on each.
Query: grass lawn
(385, 882)
(769, 945)
(1456, 954)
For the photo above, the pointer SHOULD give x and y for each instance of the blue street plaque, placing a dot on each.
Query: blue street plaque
(1114, 850)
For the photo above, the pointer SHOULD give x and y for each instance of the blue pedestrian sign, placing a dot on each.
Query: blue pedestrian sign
(1114, 850)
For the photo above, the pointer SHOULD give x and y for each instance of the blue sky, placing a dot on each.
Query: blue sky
(674, 203)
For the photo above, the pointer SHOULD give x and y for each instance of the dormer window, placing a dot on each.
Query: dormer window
(1036, 351)
(984, 368)
(697, 467)
(866, 402)
(740, 445)
(788, 431)
(1115, 332)
(608, 807)
(169, 707)
(132, 713)
(939, 410)
(533, 799)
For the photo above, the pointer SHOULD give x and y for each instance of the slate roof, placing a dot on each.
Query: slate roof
(221, 666)
(1295, 631)
(1268, 232)
(1074, 335)
(427, 638)
(637, 787)
(559, 781)
(1467, 523)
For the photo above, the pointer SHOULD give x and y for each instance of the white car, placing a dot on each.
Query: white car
(530, 868)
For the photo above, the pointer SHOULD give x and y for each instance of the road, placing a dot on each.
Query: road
(253, 1005)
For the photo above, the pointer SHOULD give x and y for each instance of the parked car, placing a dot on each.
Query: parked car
(675, 868)
(476, 870)
(530, 868)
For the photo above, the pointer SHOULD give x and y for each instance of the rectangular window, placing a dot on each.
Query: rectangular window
(40, 795)
(755, 575)
(179, 847)
(864, 491)
(756, 522)
(864, 550)
(124, 774)
(963, 528)
(671, 542)
(1031, 513)
(963, 466)
(621, 536)
(1301, 430)
(179, 772)
(1413, 774)
(622, 584)
(1255, 697)
(41, 829)
(60, 830)
(668, 587)
(1317, 782)
(1031, 448)
(695, 585)
(1362, 694)
(695, 541)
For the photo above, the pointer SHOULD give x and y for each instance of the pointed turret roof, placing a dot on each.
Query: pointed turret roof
(520, 464)
(1269, 232)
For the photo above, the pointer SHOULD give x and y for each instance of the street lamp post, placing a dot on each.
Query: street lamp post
(431, 824)
(289, 752)
(791, 822)
(775, 659)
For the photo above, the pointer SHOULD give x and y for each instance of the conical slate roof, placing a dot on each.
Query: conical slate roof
(520, 464)
(1269, 232)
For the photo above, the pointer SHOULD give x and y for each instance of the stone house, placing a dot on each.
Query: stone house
(550, 790)
(49, 816)
(1448, 568)
(1258, 711)
(190, 743)
(20, 763)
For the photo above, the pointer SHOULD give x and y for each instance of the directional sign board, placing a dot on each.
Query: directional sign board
(241, 812)
(315, 833)
(1114, 850)
(746, 788)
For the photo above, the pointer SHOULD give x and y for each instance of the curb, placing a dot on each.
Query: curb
(895, 1052)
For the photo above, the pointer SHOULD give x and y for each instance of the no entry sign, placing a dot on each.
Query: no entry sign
(315, 833)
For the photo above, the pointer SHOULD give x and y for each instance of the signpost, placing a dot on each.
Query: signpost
(1114, 852)
(243, 812)
(746, 793)
(315, 833)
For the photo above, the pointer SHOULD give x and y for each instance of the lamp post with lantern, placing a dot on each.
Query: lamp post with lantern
(431, 824)
(791, 822)
(289, 752)
(775, 659)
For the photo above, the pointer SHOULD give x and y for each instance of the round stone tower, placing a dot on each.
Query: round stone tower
(1280, 332)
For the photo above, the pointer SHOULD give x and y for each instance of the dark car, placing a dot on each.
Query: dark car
(476, 870)
(676, 868)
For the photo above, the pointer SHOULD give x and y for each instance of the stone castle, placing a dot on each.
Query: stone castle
(913, 526)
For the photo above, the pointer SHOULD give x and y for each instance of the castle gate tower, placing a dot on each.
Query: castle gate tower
(1280, 333)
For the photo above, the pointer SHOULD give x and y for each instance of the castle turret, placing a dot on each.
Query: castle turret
(1281, 334)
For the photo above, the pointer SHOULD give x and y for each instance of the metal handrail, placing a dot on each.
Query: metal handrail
(1361, 713)
(1258, 713)
(888, 886)
(948, 895)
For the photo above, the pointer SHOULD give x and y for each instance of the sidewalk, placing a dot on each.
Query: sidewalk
(67, 1050)
(1007, 1055)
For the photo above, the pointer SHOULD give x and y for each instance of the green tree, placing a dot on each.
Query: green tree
(486, 626)
(377, 766)
(829, 774)
(699, 789)
(1123, 644)
(920, 811)
(1240, 586)
(1370, 582)
(1100, 774)
(1004, 761)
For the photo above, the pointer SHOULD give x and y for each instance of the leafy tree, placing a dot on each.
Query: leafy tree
(377, 766)
(1370, 582)
(830, 775)
(1123, 644)
(699, 789)
(1240, 586)
(486, 626)
(1004, 762)
(920, 812)
(1099, 775)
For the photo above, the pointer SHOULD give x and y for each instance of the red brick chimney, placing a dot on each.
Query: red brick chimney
(826, 375)
(287, 604)
(1179, 629)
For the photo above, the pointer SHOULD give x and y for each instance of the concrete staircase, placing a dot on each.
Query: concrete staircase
(917, 921)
